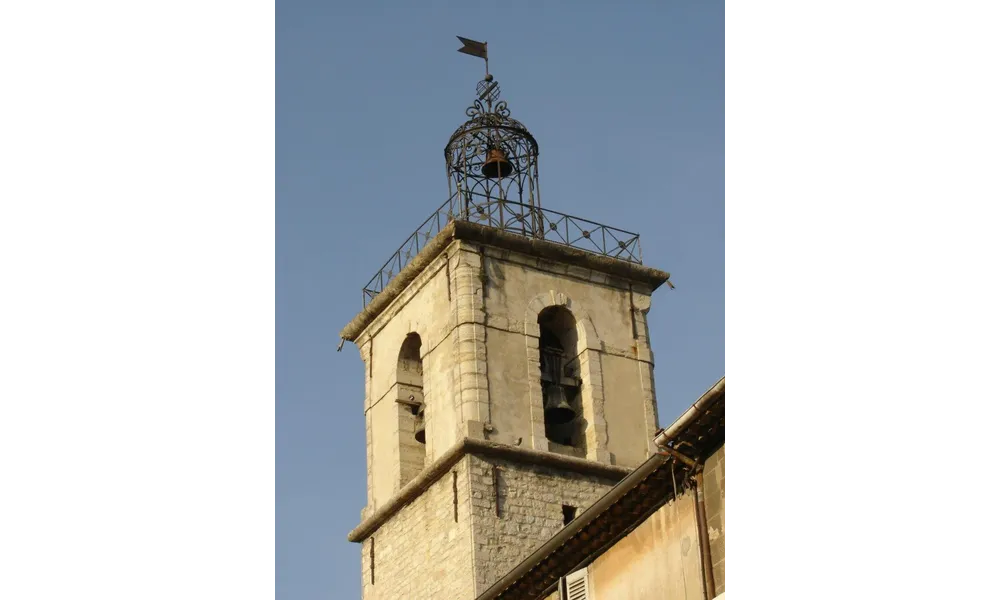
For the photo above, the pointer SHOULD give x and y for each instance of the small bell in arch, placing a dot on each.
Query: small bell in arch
(421, 434)
(497, 165)
(557, 409)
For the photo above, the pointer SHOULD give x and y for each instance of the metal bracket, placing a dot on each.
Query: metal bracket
(667, 451)
(411, 402)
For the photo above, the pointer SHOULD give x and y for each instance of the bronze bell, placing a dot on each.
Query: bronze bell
(557, 409)
(497, 165)
(420, 435)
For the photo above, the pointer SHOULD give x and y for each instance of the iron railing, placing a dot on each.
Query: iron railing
(519, 219)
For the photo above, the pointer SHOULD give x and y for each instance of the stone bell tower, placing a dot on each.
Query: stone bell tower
(508, 372)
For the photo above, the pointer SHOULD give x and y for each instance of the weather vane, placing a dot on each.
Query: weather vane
(475, 48)
(487, 88)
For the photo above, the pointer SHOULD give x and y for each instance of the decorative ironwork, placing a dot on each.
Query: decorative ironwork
(515, 218)
(492, 157)
(410, 248)
(492, 167)
(488, 90)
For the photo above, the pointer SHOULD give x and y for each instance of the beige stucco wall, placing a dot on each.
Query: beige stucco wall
(659, 559)
(715, 514)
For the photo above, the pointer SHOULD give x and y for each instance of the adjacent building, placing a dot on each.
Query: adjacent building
(659, 533)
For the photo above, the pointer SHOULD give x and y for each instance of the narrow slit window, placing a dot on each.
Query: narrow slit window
(569, 513)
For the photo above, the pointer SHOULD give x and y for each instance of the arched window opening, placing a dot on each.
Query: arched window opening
(560, 389)
(410, 397)
(410, 370)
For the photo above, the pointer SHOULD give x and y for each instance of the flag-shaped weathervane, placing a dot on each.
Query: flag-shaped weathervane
(474, 48)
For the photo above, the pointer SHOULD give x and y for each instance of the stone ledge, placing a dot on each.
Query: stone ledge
(462, 230)
(468, 446)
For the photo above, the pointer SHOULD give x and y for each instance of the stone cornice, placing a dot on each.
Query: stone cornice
(468, 446)
(473, 232)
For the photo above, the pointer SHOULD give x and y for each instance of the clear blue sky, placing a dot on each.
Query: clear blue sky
(626, 101)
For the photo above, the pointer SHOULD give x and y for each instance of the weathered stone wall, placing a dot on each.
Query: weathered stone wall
(439, 415)
(715, 512)
(630, 423)
(509, 386)
(612, 355)
(421, 309)
(433, 306)
(469, 368)
(384, 447)
(475, 309)
(531, 500)
(422, 552)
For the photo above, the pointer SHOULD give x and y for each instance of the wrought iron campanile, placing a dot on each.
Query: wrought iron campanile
(492, 163)
(492, 167)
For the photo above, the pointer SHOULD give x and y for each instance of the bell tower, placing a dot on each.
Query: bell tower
(508, 370)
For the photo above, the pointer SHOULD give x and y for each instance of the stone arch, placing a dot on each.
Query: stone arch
(409, 366)
(584, 326)
(587, 364)
(409, 396)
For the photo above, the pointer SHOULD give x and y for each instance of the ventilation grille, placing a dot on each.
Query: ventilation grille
(576, 586)
(577, 590)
